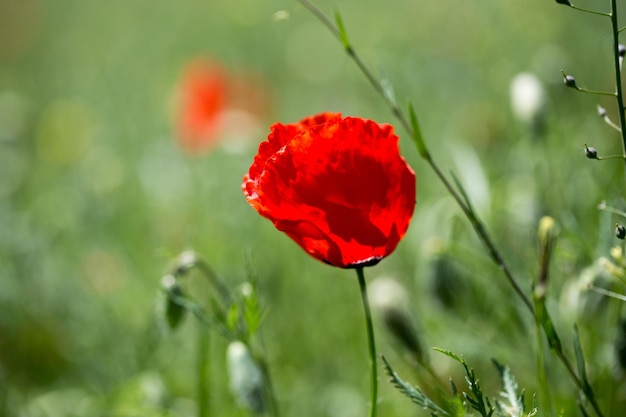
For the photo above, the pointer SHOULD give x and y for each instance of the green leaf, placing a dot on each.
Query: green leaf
(476, 400)
(342, 31)
(513, 404)
(542, 316)
(580, 359)
(413, 393)
(232, 317)
(253, 314)
(418, 139)
(451, 355)
(387, 87)
(174, 312)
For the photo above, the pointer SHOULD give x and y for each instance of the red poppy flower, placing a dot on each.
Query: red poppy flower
(337, 186)
(203, 100)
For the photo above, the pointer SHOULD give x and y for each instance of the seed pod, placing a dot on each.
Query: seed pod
(570, 81)
(590, 152)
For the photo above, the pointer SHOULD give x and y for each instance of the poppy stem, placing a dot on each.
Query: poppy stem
(370, 342)
(202, 368)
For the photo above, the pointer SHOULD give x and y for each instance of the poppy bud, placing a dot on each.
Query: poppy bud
(246, 377)
(570, 81)
(565, 2)
(547, 230)
(591, 153)
(620, 231)
(185, 262)
(389, 298)
(174, 313)
(547, 234)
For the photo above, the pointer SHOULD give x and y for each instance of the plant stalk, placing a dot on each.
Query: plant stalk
(371, 343)
(618, 76)
(202, 370)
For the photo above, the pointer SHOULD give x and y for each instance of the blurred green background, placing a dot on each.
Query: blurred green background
(96, 197)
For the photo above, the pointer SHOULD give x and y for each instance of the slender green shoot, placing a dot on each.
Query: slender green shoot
(371, 343)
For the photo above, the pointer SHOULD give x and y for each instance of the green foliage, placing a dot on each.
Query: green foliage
(417, 136)
(510, 403)
(343, 35)
(413, 393)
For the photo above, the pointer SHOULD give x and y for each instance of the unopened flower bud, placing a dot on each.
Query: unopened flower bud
(620, 231)
(621, 49)
(246, 377)
(591, 153)
(601, 111)
(565, 2)
(389, 298)
(570, 81)
(547, 230)
(185, 261)
(173, 312)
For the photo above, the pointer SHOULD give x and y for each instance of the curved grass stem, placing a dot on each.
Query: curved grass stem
(371, 343)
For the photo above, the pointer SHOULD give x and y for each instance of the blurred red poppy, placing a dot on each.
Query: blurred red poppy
(203, 90)
(337, 186)
(216, 104)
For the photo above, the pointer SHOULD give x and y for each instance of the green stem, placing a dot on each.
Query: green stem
(582, 9)
(618, 75)
(604, 207)
(596, 92)
(370, 343)
(202, 371)
(269, 389)
(544, 391)
(607, 293)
